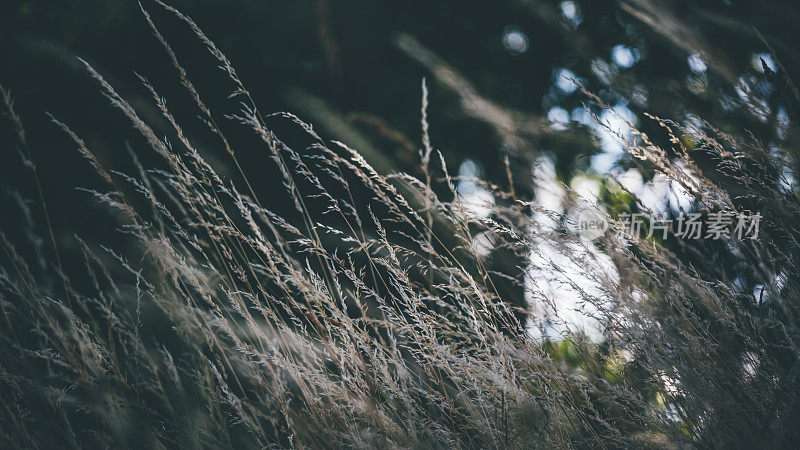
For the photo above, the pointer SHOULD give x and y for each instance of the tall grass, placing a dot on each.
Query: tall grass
(370, 317)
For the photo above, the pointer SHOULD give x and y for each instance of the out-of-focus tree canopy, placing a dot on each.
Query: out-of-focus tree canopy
(363, 61)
